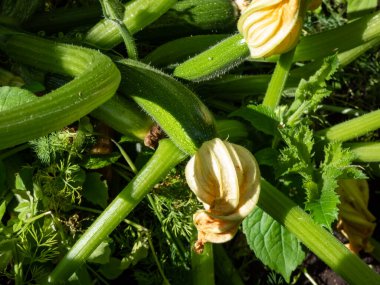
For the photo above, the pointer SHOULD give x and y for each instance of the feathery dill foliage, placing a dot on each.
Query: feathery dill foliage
(58, 175)
(176, 203)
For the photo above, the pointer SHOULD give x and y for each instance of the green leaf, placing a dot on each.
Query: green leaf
(3, 179)
(80, 277)
(297, 156)
(311, 92)
(6, 252)
(3, 208)
(11, 97)
(275, 246)
(322, 199)
(261, 117)
(267, 156)
(95, 189)
(358, 8)
(115, 267)
(112, 269)
(100, 161)
(101, 254)
(24, 179)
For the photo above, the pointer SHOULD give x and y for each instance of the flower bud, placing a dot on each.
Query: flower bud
(271, 26)
(226, 179)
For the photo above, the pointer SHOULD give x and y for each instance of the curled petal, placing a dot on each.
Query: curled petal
(271, 27)
(226, 179)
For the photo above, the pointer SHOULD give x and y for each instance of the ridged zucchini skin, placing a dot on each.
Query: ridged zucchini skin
(96, 79)
(179, 112)
(192, 17)
(21, 10)
(181, 49)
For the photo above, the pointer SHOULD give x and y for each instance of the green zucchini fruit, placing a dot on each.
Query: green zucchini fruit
(20, 10)
(137, 15)
(179, 112)
(124, 116)
(181, 49)
(96, 79)
(191, 17)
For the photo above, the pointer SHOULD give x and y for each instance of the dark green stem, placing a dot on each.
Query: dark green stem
(227, 273)
(163, 160)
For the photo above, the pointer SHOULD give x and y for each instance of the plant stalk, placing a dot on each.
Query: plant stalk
(202, 266)
(353, 128)
(366, 151)
(278, 80)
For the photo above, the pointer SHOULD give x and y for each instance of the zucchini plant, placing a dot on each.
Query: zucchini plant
(97, 124)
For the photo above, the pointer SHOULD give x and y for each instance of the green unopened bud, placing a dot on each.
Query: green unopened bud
(226, 179)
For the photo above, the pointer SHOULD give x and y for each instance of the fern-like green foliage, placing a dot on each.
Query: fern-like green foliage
(310, 93)
(296, 161)
(322, 199)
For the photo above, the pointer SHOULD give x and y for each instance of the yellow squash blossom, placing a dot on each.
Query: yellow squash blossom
(273, 26)
(226, 179)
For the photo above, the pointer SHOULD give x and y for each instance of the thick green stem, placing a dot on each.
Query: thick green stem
(96, 81)
(137, 15)
(202, 266)
(278, 80)
(366, 151)
(164, 159)
(353, 128)
(317, 239)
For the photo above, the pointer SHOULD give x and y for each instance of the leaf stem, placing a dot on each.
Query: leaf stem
(353, 128)
(366, 151)
(163, 160)
(278, 80)
(317, 239)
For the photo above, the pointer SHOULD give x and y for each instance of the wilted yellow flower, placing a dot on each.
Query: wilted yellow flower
(226, 179)
(355, 222)
(273, 26)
